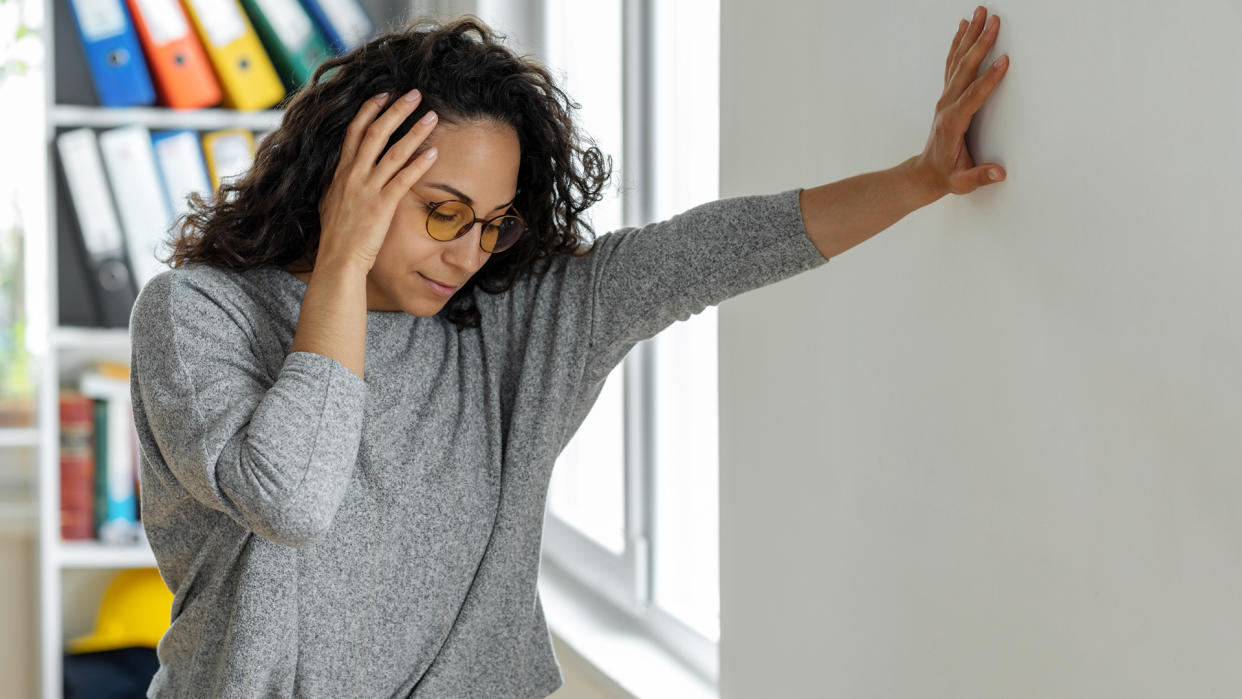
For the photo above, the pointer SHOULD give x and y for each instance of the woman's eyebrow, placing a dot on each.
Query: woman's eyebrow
(463, 197)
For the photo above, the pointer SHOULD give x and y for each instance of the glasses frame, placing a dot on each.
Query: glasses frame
(433, 205)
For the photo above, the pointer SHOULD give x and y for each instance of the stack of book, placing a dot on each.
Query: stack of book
(187, 54)
(99, 481)
(128, 186)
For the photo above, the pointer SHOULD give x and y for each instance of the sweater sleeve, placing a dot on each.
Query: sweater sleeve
(642, 279)
(275, 453)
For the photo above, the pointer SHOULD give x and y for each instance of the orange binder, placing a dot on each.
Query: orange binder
(179, 66)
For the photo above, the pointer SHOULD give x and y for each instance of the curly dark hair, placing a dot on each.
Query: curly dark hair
(270, 215)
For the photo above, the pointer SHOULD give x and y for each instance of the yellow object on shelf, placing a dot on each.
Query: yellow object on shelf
(135, 611)
(246, 73)
(229, 154)
(112, 369)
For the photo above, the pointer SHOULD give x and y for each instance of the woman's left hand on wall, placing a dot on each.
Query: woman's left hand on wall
(946, 161)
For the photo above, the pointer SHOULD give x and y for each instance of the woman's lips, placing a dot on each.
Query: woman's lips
(442, 289)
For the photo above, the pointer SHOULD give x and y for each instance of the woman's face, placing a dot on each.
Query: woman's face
(476, 163)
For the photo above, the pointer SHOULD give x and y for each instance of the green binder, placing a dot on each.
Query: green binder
(292, 39)
(101, 463)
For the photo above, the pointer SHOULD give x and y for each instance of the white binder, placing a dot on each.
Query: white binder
(130, 161)
(108, 274)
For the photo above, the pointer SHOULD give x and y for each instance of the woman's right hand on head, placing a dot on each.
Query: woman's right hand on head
(357, 209)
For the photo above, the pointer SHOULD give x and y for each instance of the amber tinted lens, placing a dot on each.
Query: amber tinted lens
(448, 219)
(503, 233)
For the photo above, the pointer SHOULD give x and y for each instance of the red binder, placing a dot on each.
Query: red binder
(182, 74)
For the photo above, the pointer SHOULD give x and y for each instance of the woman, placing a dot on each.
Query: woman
(352, 387)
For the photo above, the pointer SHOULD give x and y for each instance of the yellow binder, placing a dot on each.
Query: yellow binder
(246, 72)
(229, 154)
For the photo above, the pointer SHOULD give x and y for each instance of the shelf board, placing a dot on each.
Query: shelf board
(19, 437)
(70, 337)
(72, 116)
(93, 554)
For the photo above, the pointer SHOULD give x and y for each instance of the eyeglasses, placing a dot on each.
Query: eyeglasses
(450, 220)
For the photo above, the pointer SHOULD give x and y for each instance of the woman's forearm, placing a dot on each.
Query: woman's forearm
(333, 320)
(843, 214)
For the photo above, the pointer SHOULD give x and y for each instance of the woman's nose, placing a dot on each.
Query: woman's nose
(465, 251)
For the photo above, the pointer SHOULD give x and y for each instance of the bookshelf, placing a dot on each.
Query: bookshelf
(72, 575)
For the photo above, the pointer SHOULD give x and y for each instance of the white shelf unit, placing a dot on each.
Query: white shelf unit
(92, 554)
(72, 575)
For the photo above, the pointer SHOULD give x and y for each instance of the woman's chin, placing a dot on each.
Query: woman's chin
(423, 307)
(415, 301)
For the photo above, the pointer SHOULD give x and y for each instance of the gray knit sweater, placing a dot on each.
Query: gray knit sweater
(331, 536)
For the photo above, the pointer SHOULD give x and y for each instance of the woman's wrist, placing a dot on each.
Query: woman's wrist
(843, 214)
(921, 182)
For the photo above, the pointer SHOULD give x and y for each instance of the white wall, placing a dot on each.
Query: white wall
(19, 605)
(994, 450)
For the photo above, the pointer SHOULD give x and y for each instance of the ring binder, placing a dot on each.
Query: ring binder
(108, 273)
(113, 53)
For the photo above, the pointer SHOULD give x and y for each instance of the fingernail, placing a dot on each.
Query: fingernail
(994, 174)
(999, 62)
(411, 95)
(428, 117)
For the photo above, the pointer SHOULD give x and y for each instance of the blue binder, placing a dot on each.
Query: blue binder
(113, 53)
(345, 23)
(179, 158)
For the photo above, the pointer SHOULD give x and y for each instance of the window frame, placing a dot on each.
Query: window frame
(625, 581)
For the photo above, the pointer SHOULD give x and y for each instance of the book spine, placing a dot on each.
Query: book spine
(101, 463)
(77, 511)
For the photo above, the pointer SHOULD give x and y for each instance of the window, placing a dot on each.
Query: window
(632, 508)
(686, 569)
(589, 478)
(22, 194)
